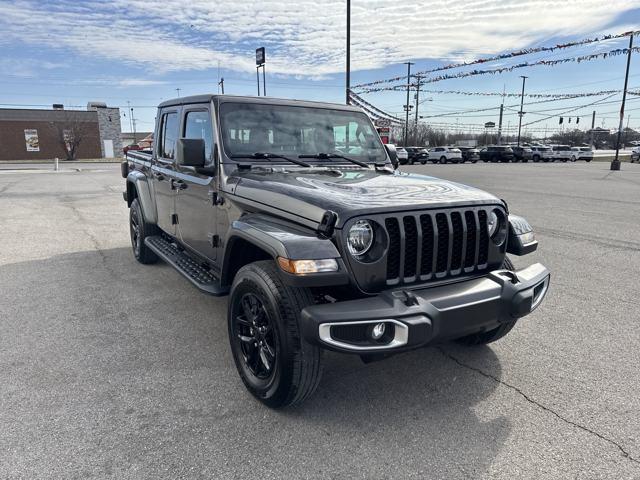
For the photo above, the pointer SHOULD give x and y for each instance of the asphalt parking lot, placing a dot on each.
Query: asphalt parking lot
(109, 368)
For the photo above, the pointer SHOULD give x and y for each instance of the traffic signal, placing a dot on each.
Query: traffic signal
(577, 119)
(561, 120)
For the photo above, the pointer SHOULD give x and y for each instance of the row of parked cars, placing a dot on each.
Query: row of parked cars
(494, 153)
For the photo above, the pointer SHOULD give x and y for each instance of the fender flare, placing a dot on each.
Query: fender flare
(139, 182)
(280, 238)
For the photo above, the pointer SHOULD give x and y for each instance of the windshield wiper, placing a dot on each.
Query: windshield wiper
(326, 156)
(268, 156)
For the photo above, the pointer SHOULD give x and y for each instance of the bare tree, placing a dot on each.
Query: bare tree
(71, 131)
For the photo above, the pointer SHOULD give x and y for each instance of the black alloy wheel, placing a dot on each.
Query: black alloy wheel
(255, 337)
(139, 230)
(276, 365)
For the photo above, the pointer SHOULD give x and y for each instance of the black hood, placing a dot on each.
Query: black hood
(351, 192)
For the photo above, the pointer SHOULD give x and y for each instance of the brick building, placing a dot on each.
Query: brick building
(27, 134)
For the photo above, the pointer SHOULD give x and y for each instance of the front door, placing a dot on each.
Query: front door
(163, 170)
(194, 200)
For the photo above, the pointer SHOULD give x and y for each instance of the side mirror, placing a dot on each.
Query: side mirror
(190, 152)
(393, 155)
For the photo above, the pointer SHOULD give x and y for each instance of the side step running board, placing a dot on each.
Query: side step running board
(183, 263)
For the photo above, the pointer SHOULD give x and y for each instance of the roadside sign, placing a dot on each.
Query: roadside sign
(260, 56)
(382, 122)
(490, 125)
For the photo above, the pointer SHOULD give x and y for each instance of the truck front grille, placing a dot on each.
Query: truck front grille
(434, 245)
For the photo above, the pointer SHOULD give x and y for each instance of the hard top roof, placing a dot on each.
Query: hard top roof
(206, 98)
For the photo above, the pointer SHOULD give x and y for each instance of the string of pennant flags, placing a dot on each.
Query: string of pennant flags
(518, 53)
(493, 71)
(372, 110)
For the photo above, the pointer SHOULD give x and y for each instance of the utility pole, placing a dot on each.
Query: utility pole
(406, 107)
(521, 113)
(130, 117)
(348, 66)
(417, 97)
(593, 125)
(615, 163)
(221, 85)
(500, 125)
(133, 120)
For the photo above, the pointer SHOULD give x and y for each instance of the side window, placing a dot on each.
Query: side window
(169, 136)
(197, 124)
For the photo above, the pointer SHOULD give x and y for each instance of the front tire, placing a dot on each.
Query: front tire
(275, 364)
(139, 230)
(482, 338)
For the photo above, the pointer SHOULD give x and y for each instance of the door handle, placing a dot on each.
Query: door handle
(177, 184)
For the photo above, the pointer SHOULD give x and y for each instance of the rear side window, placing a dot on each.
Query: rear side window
(169, 135)
(197, 124)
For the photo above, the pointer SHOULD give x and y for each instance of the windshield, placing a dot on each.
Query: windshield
(249, 128)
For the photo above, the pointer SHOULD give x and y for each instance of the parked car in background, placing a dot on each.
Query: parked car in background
(562, 153)
(541, 153)
(496, 153)
(417, 154)
(445, 155)
(581, 153)
(635, 155)
(403, 155)
(470, 154)
(522, 154)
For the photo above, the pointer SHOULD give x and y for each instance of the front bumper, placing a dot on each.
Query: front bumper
(415, 318)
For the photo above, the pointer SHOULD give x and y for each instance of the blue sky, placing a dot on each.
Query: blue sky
(141, 51)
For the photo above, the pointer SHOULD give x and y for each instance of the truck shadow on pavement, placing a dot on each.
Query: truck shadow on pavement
(137, 345)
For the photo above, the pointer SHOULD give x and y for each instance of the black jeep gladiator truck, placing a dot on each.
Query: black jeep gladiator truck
(296, 211)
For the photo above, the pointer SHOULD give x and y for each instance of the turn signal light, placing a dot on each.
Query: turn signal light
(303, 267)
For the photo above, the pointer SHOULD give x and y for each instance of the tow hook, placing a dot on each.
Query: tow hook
(407, 297)
(513, 278)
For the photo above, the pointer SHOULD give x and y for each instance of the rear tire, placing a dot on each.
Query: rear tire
(275, 364)
(482, 338)
(139, 229)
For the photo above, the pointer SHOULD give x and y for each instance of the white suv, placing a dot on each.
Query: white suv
(403, 155)
(581, 153)
(562, 153)
(445, 155)
(540, 152)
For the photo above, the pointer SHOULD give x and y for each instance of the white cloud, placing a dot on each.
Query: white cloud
(303, 38)
(139, 82)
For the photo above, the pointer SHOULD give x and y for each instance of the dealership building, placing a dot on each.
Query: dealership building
(30, 134)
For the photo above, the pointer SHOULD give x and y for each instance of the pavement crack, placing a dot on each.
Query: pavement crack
(540, 405)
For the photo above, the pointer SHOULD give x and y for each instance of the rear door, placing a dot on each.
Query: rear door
(196, 192)
(163, 169)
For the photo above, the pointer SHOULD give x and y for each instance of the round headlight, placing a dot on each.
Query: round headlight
(492, 223)
(360, 238)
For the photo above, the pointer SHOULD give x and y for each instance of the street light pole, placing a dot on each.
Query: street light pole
(348, 66)
(406, 121)
(521, 113)
(615, 163)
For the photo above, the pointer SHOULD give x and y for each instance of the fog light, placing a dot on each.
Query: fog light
(377, 331)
